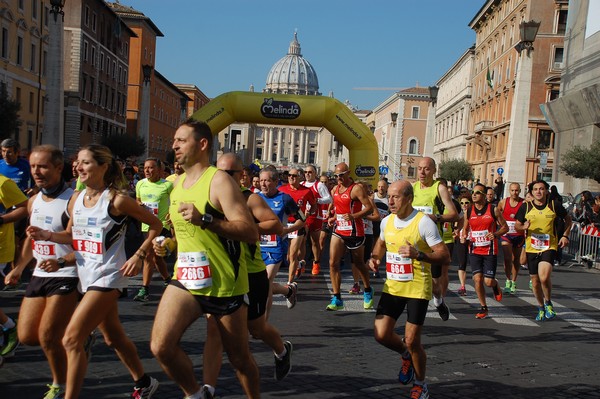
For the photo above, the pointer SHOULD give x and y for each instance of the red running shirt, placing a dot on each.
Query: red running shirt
(344, 204)
(482, 224)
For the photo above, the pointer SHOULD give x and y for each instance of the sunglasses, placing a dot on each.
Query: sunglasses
(478, 192)
(231, 172)
(465, 202)
(292, 175)
(338, 175)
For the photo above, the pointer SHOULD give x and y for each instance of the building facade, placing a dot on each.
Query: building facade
(499, 73)
(96, 65)
(400, 127)
(575, 115)
(23, 54)
(197, 99)
(453, 108)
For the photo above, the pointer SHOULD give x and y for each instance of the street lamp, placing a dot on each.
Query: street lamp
(433, 93)
(57, 8)
(394, 116)
(147, 71)
(527, 33)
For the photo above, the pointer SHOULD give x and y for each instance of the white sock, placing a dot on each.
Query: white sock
(197, 395)
(437, 301)
(10, 323)
(210, 389)
(282, 354)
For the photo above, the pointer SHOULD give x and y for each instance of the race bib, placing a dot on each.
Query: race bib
(324, 213)
(293, 234)
(479, 239)
(343, 224)
(152, 207)
(398, 267)
(193, 270)
(88, 242)
(268, 240)
(540, 242)
(428, 210)
(446, 227)
(43, 250)
(511, 227)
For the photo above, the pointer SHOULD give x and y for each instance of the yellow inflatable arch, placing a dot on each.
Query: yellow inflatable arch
(287, 109)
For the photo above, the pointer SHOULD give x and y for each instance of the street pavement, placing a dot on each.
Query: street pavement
(508, 355)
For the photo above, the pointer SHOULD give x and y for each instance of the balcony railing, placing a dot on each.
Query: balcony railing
(484, 126)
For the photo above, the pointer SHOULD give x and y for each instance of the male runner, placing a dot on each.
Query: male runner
(408, 243)
(210, 218)
(538, 219)
(432, 198)
(512, 241)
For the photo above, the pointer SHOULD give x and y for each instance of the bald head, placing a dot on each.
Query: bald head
(229, 161)
(341, 167)
(425, 171)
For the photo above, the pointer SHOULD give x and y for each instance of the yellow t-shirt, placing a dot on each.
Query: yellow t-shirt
(10, 195)
(207, 264)
(408, 278)
(540, 234)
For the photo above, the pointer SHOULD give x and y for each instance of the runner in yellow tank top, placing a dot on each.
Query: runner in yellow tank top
(429, 195)
(209, 213)
(541, 242)
(409, 242)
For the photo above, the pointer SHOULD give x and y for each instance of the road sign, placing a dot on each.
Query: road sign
(384, 170)
(500, 170)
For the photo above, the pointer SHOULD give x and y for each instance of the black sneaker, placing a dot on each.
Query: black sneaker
(443, 311)
(284, 366)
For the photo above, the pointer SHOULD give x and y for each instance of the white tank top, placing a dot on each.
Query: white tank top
(49, 216)
(99, 243)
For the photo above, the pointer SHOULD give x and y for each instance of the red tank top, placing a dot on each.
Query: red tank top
(321, 208)
(302, 195)
(509, 213)
(344, 204)
(481, 225)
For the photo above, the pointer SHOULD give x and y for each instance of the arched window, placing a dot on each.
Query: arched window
(412, 146)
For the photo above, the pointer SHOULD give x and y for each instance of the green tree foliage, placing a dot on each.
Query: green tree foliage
(454, 170)
(582, 162)
(9, 114)
(125, 145)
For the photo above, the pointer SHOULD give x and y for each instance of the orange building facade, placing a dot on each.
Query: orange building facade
(495, 70)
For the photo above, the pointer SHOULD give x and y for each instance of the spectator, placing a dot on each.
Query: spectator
(582, 212)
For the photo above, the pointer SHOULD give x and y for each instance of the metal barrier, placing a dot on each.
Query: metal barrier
(584, 245)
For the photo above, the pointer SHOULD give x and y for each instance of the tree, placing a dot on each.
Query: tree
(582, 163)
(9, 114)
(454, 170)
(125, 145)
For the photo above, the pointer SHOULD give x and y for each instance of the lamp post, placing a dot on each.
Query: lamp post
(394, 118)
(54, 114)
(430, 128)
(518, 134)
(144, 118)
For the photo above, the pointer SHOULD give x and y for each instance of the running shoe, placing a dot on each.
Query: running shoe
(205, 393)
(368, 299)
(291, 297)
(355, 290)
(483, 313)
(54, 392)
(336, 304)
(443, 311)
(419, 392)
(284, 366)
(142, 295)
(541, 314)
(549, 312)
(301, 269)
(513, 287)
(497, 292)
(462, 291)
(407, 371)
(507, 286)
(316, 269)
(146, 392)
(11, 342)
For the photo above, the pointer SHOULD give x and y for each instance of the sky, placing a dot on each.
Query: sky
(228, 45)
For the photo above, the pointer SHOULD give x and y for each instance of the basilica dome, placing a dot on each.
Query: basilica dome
(293, 74)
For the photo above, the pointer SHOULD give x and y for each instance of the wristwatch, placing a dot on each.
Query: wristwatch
(206, 219)
(61, 262)
(438, 217)
(420, 256)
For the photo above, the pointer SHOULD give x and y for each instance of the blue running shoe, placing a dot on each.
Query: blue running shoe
(336, 304)
(549, 312)
(541, 314)
(407, 371)
(368, 299)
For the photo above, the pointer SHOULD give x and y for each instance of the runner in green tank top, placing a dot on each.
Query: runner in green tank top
(211, 219)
